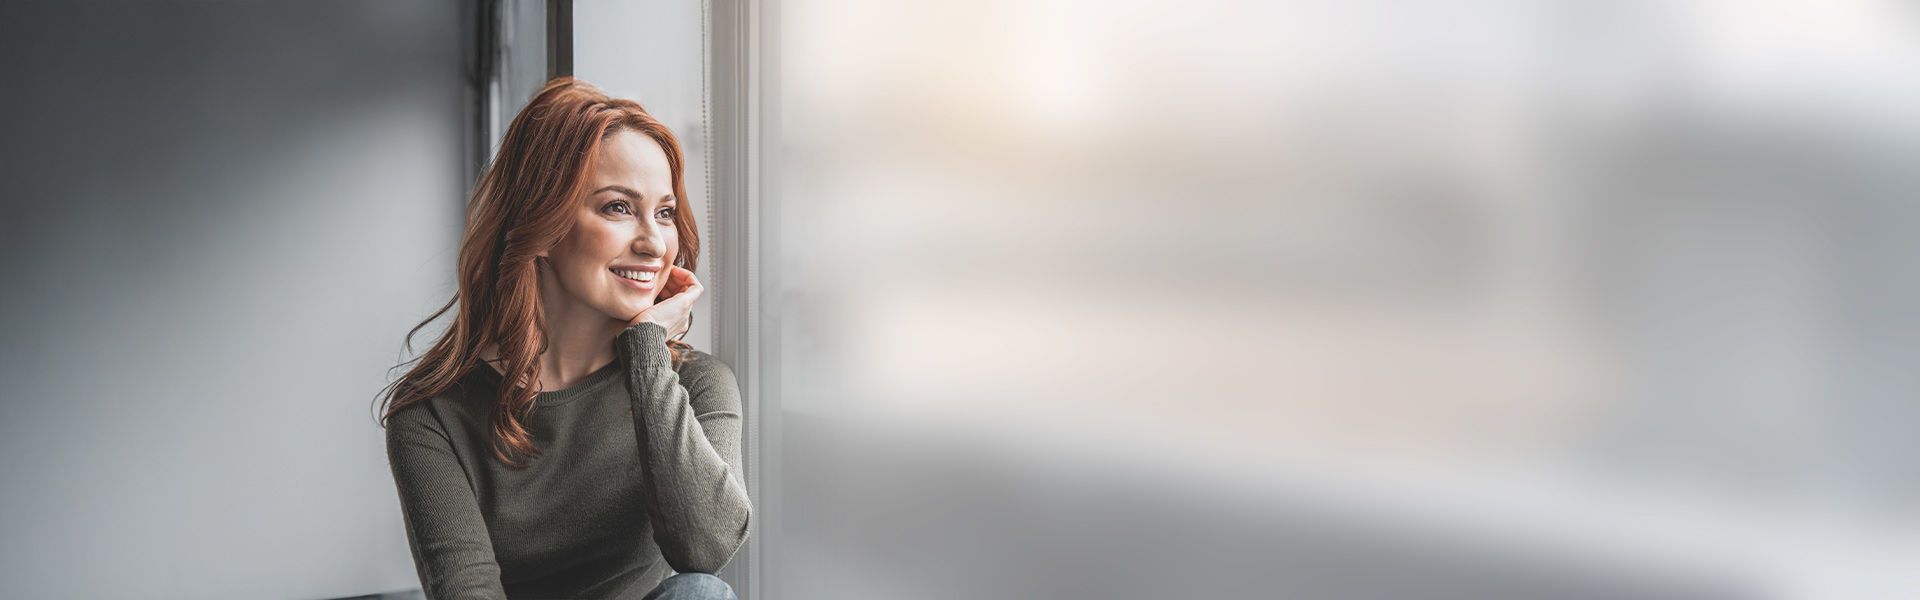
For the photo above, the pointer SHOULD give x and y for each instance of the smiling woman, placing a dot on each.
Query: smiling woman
(623, 235)
(576, 271)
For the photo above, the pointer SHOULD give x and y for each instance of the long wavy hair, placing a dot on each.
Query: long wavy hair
(523, 205)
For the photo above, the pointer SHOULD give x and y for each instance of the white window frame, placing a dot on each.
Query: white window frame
(741, 99)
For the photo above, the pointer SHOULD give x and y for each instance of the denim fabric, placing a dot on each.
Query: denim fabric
(692, 586)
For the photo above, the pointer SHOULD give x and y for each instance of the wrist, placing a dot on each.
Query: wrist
(637, 338)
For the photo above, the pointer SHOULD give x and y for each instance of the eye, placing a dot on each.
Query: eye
(665, 212)
(621, 205)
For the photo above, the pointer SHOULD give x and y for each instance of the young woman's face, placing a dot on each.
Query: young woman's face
(615, 257)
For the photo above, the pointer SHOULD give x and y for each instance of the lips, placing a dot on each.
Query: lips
(639, 277)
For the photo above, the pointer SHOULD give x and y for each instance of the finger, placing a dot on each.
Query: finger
(684, 280)
(692, 293)
(682, 284)
(676, 282)
(685, 277)
(680, 302)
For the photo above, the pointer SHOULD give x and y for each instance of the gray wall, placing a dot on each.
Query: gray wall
(218, 221)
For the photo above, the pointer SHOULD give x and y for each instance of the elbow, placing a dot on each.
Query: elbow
(707, 549)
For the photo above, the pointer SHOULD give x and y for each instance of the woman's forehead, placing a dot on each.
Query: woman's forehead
(635, 161)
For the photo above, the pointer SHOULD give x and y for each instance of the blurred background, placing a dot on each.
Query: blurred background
(1036, 299)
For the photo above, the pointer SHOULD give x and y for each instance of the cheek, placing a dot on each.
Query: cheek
(586, 251)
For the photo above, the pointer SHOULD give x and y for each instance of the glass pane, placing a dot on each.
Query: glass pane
(1363, 299)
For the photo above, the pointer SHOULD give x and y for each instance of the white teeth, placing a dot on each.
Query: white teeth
(635, 275)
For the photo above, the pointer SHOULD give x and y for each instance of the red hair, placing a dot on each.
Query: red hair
(522, 206)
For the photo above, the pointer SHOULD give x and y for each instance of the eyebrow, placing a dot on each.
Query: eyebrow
(668, 199)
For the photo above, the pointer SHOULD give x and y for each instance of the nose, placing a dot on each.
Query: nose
(649, 240)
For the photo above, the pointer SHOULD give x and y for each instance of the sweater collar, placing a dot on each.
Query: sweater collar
(586, 386)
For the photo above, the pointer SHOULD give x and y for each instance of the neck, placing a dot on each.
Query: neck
(579, 338)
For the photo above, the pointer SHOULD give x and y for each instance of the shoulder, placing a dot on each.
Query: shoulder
(437, 416)
(415, 418)
(703, 373)
(698, 363)
(415, 430)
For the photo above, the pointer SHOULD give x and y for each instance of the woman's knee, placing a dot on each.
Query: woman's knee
(693, 586)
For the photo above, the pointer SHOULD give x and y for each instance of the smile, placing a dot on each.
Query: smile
(641, 279)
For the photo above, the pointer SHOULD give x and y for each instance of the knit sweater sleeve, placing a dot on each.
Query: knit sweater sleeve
(689, 437)
(452, 552)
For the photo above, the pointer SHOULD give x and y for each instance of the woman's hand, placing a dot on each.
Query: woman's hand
(673, 308)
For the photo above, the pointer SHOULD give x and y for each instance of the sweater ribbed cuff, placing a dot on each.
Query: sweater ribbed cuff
(644, 344)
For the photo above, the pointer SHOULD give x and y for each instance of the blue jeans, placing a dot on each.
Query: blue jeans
(692, 586)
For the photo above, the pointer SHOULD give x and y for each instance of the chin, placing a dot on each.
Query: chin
(633, 308)
(619, 310)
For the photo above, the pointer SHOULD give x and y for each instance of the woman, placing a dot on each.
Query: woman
(558, 441)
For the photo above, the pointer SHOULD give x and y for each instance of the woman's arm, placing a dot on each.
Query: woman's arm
(445, 530)
(690, 438)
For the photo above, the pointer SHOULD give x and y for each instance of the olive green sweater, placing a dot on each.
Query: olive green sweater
(639, 473)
